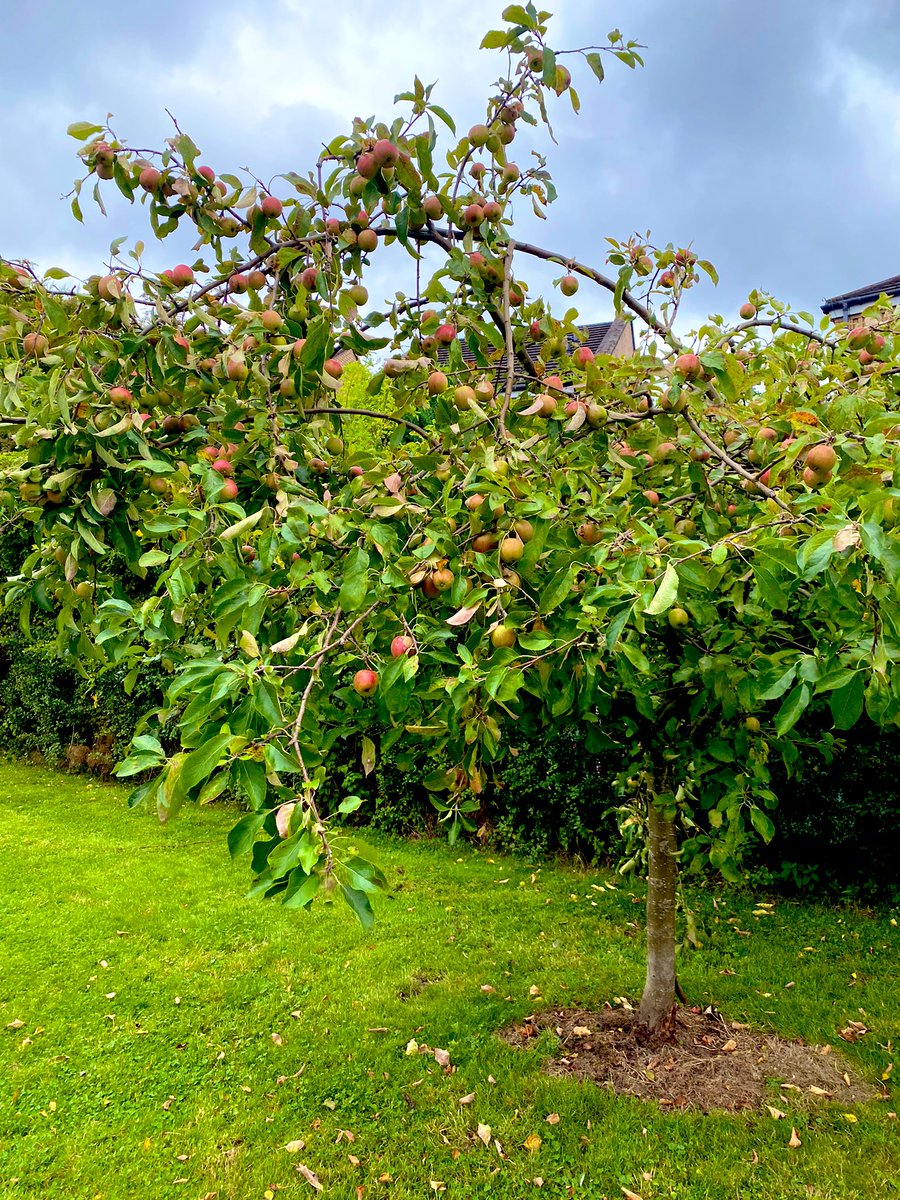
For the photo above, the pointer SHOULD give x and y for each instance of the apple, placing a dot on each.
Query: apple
(858, 338)
(689, 366)
(583, 357)
(747, 311)
(223, 466)
(333, 368)
(238, 283)
(678, 617)
(484, 391)
(228, 490)
(442, 579)
(309, 277)
(109, 288)
(474, 502)
(821, 458)
(358, 294)
(367, 240)
(271, 320)
(402, 646)
(35, 343)
(236, 370)
(463, 396)
(150, 179)
(445, 334)
(568, 285)
(589, 533)
(523, 530)
(752, 725)
(271, 207)
(385, 153)
(503, 636)
(432, 207)
(120, 396)
(437, 383)
(484, 543)
(257, 280)
(473, 215)
(667, 279)
(511, 549)
(207, 173)
(365, 682)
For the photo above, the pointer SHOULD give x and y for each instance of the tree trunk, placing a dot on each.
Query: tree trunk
(657, 1010)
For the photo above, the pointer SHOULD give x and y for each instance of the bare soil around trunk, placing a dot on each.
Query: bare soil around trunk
(712, 1064)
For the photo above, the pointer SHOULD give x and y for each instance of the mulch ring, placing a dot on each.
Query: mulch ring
(712, 1063)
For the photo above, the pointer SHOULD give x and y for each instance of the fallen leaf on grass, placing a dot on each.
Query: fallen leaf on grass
(534, 990)
(310, 1176)
(295, 1147)
(552, 1119)
(538, 1181)
(16, 1024)
(484, 1132)
(487, 989)
(851, 1117)
(794, 1140)
(329, 1104)
(533, 1142)
(854, 1031)
(775, 1113)
(730, 1046)
(630, 1195)
(277, 1039)
(354, 1161)
(412, 1046)
(467, 1099)
(442, 1057)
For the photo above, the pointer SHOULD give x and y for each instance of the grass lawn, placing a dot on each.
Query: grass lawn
(176, 1036)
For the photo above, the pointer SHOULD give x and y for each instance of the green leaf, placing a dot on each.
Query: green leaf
(301, 889)
(557, 589)
(350, 804)
(359, 902)
(355, 583)
(368, 756)
(202, 761)
(595, 62)
(847, 702)
(666, 593)
(494, 39)
(792, 709)
(763, 824)
(242, 836)
(82, 130)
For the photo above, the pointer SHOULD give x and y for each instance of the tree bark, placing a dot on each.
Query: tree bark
(657, 1008)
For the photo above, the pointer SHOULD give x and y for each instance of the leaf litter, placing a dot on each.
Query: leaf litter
(711, 1063)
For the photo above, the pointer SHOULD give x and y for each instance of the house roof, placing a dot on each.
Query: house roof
(602, 338)
(871, 291)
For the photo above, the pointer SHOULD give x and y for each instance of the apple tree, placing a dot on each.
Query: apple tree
(680, 550)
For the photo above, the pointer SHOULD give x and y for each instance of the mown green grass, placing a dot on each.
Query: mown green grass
(173, 1085)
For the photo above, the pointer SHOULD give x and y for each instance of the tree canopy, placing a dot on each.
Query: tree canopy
(680, 549)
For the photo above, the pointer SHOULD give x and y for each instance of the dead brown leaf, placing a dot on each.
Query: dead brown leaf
(794, 1139)
(310, 1176)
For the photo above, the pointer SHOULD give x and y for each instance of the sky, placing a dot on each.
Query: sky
(766, 134)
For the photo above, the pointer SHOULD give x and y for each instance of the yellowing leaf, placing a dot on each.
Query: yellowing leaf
(533, 1142)
(484, 1132)
(295, 1147)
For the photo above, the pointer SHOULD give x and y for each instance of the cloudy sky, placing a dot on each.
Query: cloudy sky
(767, 134)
